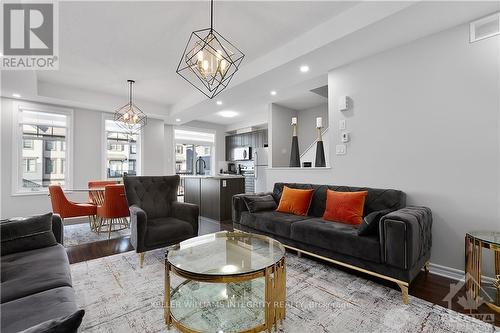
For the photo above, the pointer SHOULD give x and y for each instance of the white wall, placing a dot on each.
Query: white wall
(307, 132)
(280, 134)
(87, 158)
(425, 119)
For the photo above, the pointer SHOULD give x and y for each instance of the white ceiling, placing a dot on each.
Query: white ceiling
(303, 101)
(102, 44)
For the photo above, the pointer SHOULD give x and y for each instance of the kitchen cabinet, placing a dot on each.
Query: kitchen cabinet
(257, 139)
(213, 194)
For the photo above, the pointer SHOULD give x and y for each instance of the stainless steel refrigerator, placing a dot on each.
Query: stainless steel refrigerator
(260, 156)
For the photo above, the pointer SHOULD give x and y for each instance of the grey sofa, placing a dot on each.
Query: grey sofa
(36, 289)
(157, 218)
(396, 249)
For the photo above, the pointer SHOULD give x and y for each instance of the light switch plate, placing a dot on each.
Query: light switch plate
(342, 124)
(345, 137)
(340, 149)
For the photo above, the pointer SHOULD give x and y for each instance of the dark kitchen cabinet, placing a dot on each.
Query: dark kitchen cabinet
(213, 195)
(257, 139)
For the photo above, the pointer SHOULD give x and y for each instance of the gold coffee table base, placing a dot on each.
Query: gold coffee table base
(473, 255)
(274, 293)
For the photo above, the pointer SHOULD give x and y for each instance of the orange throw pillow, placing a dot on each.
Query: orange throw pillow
(295, 201)
(345, 207)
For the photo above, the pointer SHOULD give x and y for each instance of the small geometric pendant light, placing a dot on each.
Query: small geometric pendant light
(129, 116)
(209, 61)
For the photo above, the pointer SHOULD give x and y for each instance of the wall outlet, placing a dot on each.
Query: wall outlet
(224, 183)
(340, 149)
(342, 124)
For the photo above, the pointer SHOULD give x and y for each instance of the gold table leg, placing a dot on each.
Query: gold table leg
(166, 302)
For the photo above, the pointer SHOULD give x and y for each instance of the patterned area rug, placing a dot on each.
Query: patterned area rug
(77, 234)
(118, 296)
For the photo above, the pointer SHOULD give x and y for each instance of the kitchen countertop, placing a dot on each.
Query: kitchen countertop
(218, 176)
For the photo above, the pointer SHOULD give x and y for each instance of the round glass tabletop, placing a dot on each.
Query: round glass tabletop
(491, 237)
(225, 253)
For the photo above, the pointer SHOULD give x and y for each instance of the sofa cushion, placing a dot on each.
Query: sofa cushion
(369, 225)
(23, 313)
(29, 272)
(345, 207)
(26, 234)
(59, 325)
(295, 201)
(176, 229)
(273, 222)
(259, 203)
(338, 237)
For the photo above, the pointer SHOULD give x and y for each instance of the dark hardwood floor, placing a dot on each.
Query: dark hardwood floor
(430, 287)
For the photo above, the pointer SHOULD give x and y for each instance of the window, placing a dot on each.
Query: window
(121, 151)
(193, 152)
(50, 145)
(28, 144)
(29, 164)
(43, 133)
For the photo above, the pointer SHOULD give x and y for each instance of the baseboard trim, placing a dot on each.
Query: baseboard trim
(453, 273)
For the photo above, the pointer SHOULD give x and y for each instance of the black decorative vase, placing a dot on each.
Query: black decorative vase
(320, 155)
(294, 154)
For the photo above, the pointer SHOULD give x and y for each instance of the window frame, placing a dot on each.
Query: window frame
(17, 139)
(212, 144)
(104, 147)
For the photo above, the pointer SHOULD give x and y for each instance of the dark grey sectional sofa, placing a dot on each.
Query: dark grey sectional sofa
(36, 290)
(396, 249)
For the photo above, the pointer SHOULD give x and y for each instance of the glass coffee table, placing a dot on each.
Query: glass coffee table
(233, 282)
(475, 241)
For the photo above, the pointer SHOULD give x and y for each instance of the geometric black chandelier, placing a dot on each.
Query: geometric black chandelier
(130, 117)
(209, 60)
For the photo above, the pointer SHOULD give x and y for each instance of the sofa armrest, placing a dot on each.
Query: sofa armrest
(406, 236)
(58, 228)
(187, 212)
(239, 205)
(138, 225)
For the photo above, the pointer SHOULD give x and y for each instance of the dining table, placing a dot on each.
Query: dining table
(96, 194)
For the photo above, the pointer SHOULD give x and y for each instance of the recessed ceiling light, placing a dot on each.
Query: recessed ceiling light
(304, 68)
(219, 102)
(16, 95)
(227, 114)
(273, 93)
(177, 119)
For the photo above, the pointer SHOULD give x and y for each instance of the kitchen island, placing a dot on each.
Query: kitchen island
(213, 194)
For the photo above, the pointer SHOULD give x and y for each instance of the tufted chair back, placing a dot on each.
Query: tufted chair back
(153, 194)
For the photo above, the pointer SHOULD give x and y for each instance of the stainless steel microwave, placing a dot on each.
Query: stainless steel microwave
(242, 153)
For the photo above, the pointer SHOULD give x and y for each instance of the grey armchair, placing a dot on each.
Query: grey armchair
(157, 218)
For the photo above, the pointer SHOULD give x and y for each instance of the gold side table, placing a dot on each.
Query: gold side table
(475, 241)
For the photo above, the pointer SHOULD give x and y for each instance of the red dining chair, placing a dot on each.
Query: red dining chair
(114, 210)
(66, 208)
(99, 184)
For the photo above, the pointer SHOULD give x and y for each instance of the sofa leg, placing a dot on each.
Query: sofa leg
(427, 267)
(141, 259)
(299, 254)
(404, 293)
